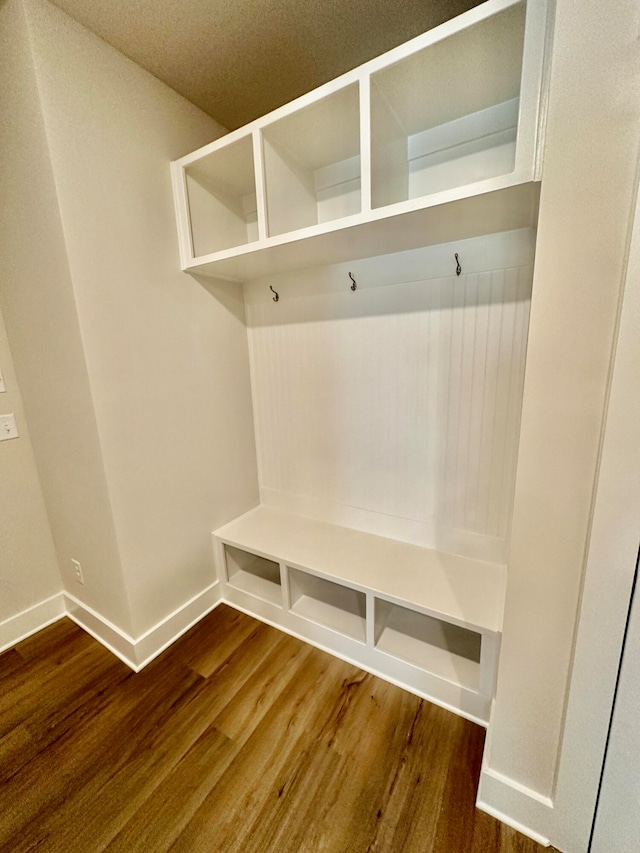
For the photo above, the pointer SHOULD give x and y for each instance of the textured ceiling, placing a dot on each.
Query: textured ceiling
(239, 59)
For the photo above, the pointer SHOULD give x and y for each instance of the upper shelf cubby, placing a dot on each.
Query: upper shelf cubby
(447, 115)
(312, 163)
(437, 140)
(221, 194)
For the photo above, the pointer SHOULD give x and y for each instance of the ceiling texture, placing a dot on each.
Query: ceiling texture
(239, 59)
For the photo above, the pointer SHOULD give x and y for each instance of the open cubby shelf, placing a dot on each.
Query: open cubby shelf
(221, 192)
(449, 116)
(312, 163)
(447, 650)
(333, 605)
(426, 619)
(254, 575)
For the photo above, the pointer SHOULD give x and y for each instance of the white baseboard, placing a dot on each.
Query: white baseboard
(154, 641)
(519, 807)
(136, 653)
(105, 632)
(31, 620)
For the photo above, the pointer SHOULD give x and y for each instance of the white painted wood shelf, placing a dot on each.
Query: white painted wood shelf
(335, 606)
(425, 619)
(254, 575)
(447, 650)
(431, 142)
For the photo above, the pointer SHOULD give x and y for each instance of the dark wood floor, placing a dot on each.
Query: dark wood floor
(238, 738)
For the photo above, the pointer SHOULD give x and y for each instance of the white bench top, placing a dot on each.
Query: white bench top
(461, 590)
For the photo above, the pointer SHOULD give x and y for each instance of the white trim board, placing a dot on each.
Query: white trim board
(101, 629)
(135, 653)
(506, 249)
(608, 578)
(519, 807)
(508, 801)
(17, 628)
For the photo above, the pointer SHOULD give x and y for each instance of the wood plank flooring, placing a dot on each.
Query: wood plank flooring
(238, 739)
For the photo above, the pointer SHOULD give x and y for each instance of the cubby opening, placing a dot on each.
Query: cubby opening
(312, 163)
(329, 604)
(446, 650)
(221, 192)
(447, 115)
(252, 574)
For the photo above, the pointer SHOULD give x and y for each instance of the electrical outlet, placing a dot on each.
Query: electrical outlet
(8, 428)
(77, 570)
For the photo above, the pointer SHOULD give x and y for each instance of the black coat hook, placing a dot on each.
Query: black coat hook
(353, 285)
(277, 295)
(458, 267)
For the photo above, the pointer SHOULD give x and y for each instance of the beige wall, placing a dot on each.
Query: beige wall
(586, 203)
(28, 564)
(38, 304)
(166, 356)
(134, 375)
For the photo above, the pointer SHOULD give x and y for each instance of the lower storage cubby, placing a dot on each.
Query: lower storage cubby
(253, 575)
(446, 650)
(426, 620)
(328, 604)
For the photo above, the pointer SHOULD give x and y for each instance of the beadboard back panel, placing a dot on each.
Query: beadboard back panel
(395, 408)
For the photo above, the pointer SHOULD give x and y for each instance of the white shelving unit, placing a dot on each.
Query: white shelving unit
(434, 143)
(448, 118)
(428, 620)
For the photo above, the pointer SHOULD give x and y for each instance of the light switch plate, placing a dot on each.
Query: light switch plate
(3, 387)
(8, 428)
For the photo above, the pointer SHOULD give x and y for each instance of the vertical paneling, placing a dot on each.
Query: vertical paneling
(399, 402)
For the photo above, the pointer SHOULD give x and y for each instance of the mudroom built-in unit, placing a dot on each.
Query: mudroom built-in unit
(382, 228)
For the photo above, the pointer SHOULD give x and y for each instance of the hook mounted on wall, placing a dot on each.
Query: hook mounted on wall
(277, 295)
(353, 282)
(458, 267)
